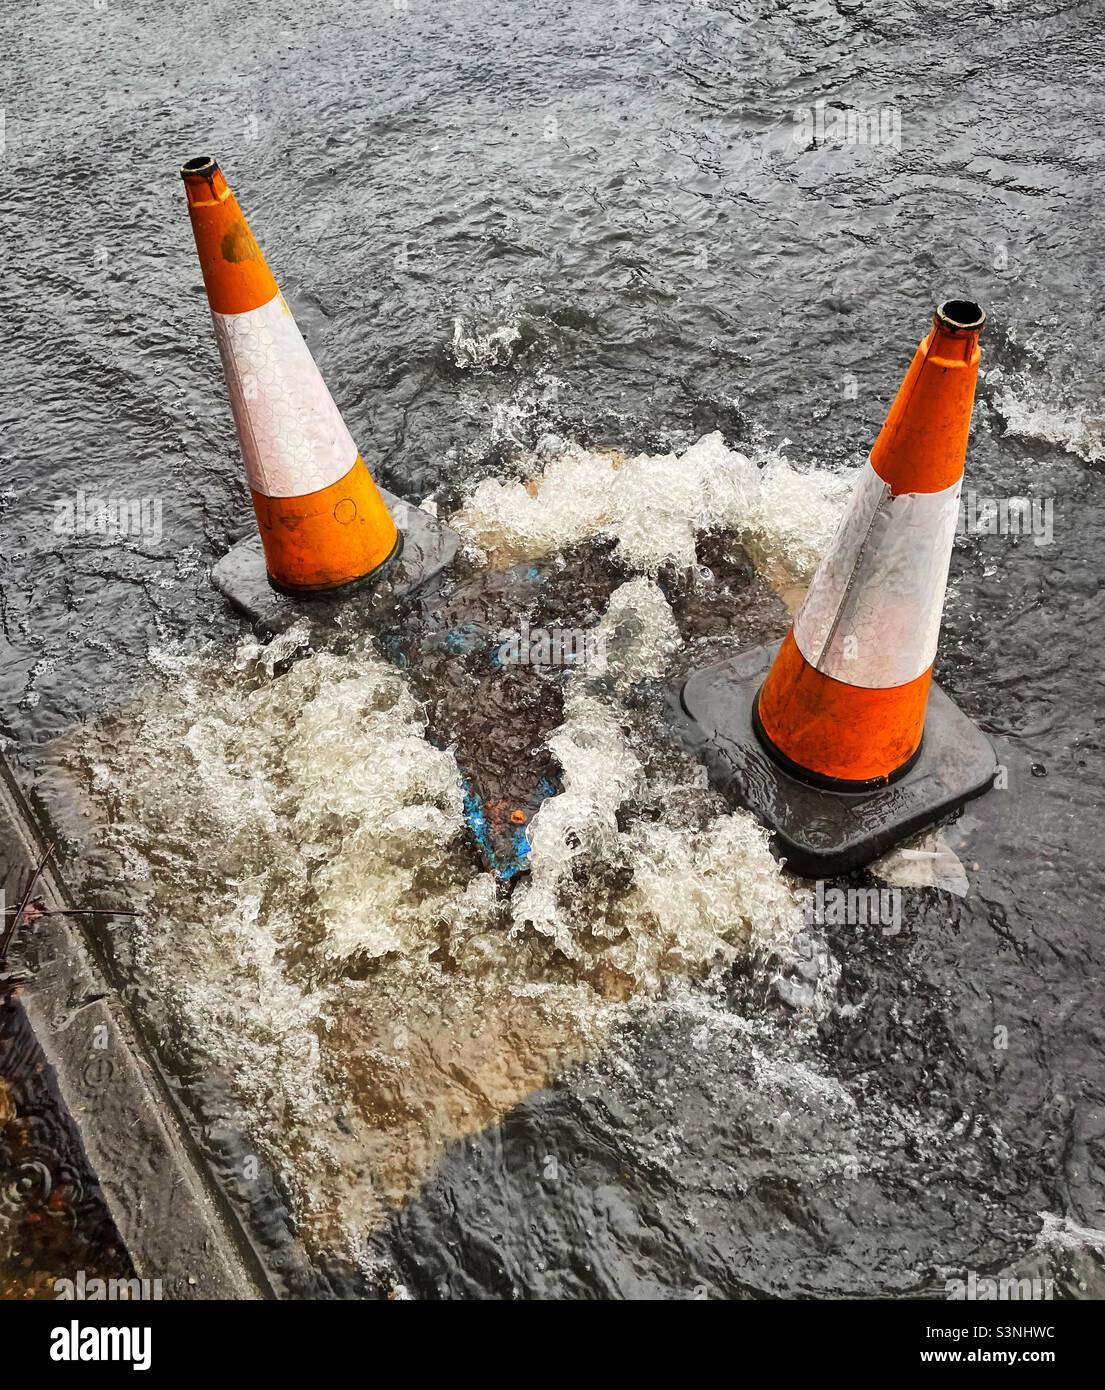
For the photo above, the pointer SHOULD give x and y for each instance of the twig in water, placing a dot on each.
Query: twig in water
(9, 931)
(77, 911)
(30, 910)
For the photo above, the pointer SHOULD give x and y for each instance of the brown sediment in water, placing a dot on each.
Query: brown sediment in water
(429, 1062)
(351, 973)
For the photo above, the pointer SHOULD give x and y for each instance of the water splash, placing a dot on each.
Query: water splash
(481, 348)
(342, 927)
(369, 991)
(655, 506)
(1028, 415)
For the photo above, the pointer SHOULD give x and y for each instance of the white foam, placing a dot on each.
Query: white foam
(655, 506)
(473, 349)
(1063, 1233)
(1029, 415)
(638, 633)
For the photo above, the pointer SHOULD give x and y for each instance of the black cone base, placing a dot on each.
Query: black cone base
(822, 833)
(425, 548)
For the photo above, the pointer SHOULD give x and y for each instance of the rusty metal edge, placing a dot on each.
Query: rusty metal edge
(175, 1224)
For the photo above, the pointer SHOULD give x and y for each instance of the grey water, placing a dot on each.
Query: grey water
(507, 231)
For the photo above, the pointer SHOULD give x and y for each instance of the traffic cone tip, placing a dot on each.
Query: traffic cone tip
(200, 164)
(960, 316)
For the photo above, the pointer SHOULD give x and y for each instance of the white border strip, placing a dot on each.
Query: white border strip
(294, 440)
(872, 614)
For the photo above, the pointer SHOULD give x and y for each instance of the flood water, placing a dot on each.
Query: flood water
(53, 1218)
(579, 289)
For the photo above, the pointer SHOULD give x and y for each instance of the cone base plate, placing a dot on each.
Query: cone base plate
(427, 549)
(823, 833)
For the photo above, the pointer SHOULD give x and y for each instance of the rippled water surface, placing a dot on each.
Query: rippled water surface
(580, 290)
(53, 1219)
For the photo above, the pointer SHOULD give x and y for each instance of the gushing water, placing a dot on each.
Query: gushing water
(367, 988)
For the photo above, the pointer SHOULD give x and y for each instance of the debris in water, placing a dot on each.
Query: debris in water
(925, 862)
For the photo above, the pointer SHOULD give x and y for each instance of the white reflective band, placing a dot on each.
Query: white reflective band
(293, 438)
(872, 614)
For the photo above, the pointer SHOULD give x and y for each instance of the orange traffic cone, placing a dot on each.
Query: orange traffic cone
(322, 520)
(845, 700)
(828, 749)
